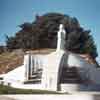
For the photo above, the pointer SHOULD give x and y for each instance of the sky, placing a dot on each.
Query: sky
(16, 12)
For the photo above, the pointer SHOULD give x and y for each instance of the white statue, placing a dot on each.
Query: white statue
(61, 38)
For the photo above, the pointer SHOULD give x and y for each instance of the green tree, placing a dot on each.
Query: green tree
(42, 33)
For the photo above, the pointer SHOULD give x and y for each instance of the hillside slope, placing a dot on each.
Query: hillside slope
(9, 61)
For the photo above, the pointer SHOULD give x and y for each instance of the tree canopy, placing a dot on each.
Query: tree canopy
(42, 33)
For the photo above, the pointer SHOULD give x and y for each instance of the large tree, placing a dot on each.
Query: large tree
(42, 33)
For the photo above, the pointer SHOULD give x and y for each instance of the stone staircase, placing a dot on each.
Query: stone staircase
(35, 78)
(70, 75)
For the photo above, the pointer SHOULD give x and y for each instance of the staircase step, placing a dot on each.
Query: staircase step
(69, 76)
(71, 81)
(37, 72)
(35, 77)
(69, 71)
(33, 81)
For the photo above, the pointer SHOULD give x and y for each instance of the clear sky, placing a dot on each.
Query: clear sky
(16, 12)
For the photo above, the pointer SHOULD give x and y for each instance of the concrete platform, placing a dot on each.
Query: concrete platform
(74, 96)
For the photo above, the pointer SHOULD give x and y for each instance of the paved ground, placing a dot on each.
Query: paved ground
(6, 98)
(75, 96)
